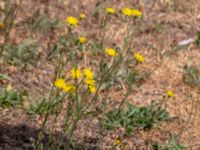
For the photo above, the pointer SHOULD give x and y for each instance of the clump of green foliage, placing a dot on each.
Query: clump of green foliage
(134, 117)
(192, 76)
(10, 98)
(24, 53)
(171, 145)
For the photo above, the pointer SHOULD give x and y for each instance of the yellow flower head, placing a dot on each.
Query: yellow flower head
(72, 21)
(127, 11)
(1, 25)
(170, 93)
(82, 16)
(90, 81)
(111, 52)
(60, 83)
(139, 57)
(92, 88)
(110, 10)
(88, 73)
(69, 88)
(76, 73)
(117, 142)
(136, 13)
(82, 40)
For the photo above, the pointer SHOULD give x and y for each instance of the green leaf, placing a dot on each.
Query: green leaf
(6, 77)
(134, 117)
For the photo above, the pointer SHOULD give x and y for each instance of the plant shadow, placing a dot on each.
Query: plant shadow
(22, 137)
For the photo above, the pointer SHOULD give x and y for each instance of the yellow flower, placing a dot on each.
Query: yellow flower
(136, 13)
(76, 73)
(127, 11)
(139, 57)
(89, 77)
(111, 52)
(88, 73)
(82, 40)
(110, 10)
(60, 83)
(72, 21)
(90, 81)
(1, 25)
(170, 93)
(117, 142)
(92, 88)
(82, 16)
(69, 88)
